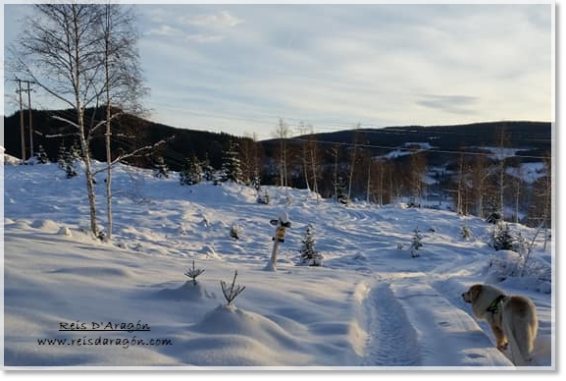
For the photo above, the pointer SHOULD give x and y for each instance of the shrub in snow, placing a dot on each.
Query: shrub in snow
(231, 292)
(235, 231)
(231, 165)
(265, 199)
(191, 173)
(160, 168)
(207, 169)
(416, 243)
(494, 218)
(309, 256)
(70, 170)
(66, 160)
(465, 232)
(42, 155)
(194, 273)
(502, 238)
(510, 266)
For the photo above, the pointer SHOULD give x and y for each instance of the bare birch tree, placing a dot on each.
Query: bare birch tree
(122, 79)
(59, 52)
(282, 133)
(304, 153)
(353, 159)
(82, 55)
(314, 160)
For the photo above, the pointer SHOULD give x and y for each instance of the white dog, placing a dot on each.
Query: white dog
(513, 319)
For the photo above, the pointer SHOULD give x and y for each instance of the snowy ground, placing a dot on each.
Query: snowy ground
(371, 306)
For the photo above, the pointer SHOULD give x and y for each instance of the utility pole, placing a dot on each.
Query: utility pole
(22, 132)
(22, 126)
(30, 122)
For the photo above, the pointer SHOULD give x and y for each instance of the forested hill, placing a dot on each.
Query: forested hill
(533, 137)
(131, 132)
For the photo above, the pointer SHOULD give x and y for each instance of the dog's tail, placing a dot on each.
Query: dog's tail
(517, 356)
(521, 340)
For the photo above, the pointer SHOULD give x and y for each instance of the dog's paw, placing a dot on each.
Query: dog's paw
(502, 347)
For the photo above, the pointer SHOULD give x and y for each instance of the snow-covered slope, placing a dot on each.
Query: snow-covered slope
(369, 305)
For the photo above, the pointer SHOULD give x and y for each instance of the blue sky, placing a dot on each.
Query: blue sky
(239, 68)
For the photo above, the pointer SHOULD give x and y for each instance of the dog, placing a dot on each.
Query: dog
(512, 319)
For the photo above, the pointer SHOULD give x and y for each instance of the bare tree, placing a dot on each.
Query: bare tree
(417, 170)
(480, 174)
(282, 133)
(314, 159)
(503, 142)
(353, 159)
(82, 55)
(122, 79)
(335, 153)
(59, 51)
(304, 153)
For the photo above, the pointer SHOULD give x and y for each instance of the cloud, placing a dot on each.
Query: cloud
(454, 104)
(201, 38)
(222, 19)
(164, 30)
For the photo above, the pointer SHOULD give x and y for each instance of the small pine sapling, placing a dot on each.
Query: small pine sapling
(416, 244)
(465, 232)
(61, 157)
(42, 155)
(194, 273)
(161, 170)
(235, 231)
(265, 199)
(231, 292)
(308, 254)
(502, 237)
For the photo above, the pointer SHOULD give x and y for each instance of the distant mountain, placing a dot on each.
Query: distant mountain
(533, 138)
(129, 132)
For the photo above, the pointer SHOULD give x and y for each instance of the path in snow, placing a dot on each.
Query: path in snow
(452, 336)
(392, 339)
(410, 323)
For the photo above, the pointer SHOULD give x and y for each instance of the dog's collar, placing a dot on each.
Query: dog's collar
(494, 306)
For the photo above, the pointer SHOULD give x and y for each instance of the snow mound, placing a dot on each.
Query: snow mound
(65, 231)
(249, 326)
(45, 225)
(188, 291)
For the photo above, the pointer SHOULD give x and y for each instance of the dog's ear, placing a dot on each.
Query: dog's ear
(475, 291)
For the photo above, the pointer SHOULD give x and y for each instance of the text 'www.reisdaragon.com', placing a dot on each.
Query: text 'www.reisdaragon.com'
(100, 341)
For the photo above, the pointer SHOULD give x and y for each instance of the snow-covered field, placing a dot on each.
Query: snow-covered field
(370, 306)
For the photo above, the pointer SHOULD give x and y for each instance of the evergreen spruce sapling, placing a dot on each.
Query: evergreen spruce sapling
(207, 169)
(465, 232)
(502, 237)
(42, 155)
(66, 161)
(194, 273)
(308, 254)
(62, 157)
(231, 166)
(235, 231)
(264, 199)
(231, 292)
(192, 172)
(416, 244)
(160, 168)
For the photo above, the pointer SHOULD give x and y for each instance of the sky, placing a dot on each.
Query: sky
(241, 68)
